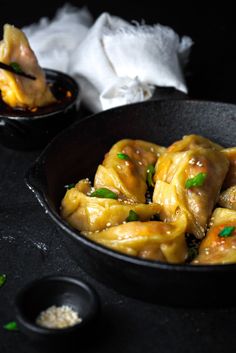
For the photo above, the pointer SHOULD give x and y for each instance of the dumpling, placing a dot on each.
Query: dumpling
(18, 91)
(151, 240)
(230, 179)
(124, 169)
(219, 245)
(227, 198)
(190, 142)
(92, 214)
(188, 178)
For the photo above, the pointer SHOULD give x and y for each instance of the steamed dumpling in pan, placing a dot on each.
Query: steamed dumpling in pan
(124, 169)
(219, 245)
(230, 179)
(227, 198)
(87, 213)
(188, 178)
(18, 91)
(190, 142)
(151, 240)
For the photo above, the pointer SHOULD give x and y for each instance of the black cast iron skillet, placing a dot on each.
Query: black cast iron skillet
(76, 153)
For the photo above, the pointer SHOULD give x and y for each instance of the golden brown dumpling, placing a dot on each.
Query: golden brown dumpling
(230, 179)
(227, 198)
(127, 176)
(219, 245)
(191, 159)
(190, 142)
(150, 240)
(87, 213)
(18, 91)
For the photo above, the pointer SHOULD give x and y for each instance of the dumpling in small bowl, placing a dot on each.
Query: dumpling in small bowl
(32, 111)
(18, 91)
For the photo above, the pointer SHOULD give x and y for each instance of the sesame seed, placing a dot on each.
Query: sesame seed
(58, 317)
(192, 161)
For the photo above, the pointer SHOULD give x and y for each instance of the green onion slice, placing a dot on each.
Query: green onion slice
(16, 67)
(133, 216)
(3, 279)
(198, 180)
(122, 156)
(150, 173)
(104, 193)
(226, 232)
(11, 326)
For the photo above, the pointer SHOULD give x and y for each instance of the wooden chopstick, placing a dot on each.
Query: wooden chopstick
(11, 69)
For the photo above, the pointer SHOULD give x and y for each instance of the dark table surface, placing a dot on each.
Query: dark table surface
(31, 246)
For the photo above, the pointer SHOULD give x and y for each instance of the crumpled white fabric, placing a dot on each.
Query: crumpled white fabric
(54, 41)
(124, 91)
(114, 62)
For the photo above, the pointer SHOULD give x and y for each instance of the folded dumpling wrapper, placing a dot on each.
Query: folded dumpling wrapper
(183, 160)
(230, 179)
(18, 91)
(93, 214)
(128, 177)
(227, 198)
(105, 220)
(216, 248)
(151, 240)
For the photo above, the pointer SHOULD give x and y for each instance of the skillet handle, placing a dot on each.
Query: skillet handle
(33, 179)
(168, 93)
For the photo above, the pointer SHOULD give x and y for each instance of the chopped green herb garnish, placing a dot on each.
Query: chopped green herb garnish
(70, 186)
(150, 173)
(104, 193)
(198, 180)
(133, 216)
(122, 156)
(11, 326)
(16, 67)
(3, 279)
(226, 232)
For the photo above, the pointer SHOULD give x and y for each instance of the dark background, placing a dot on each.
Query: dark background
(129, 325)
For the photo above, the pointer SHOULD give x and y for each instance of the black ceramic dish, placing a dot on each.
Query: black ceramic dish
(26, 129)
(76, 153)
(56, 290)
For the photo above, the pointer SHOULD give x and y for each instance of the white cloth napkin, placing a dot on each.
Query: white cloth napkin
(54, 41)
(114, 62)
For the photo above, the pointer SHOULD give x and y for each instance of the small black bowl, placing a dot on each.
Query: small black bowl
(25, 129)
(41, 294)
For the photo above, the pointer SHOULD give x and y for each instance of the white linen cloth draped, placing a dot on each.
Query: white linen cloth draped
(114, 62)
